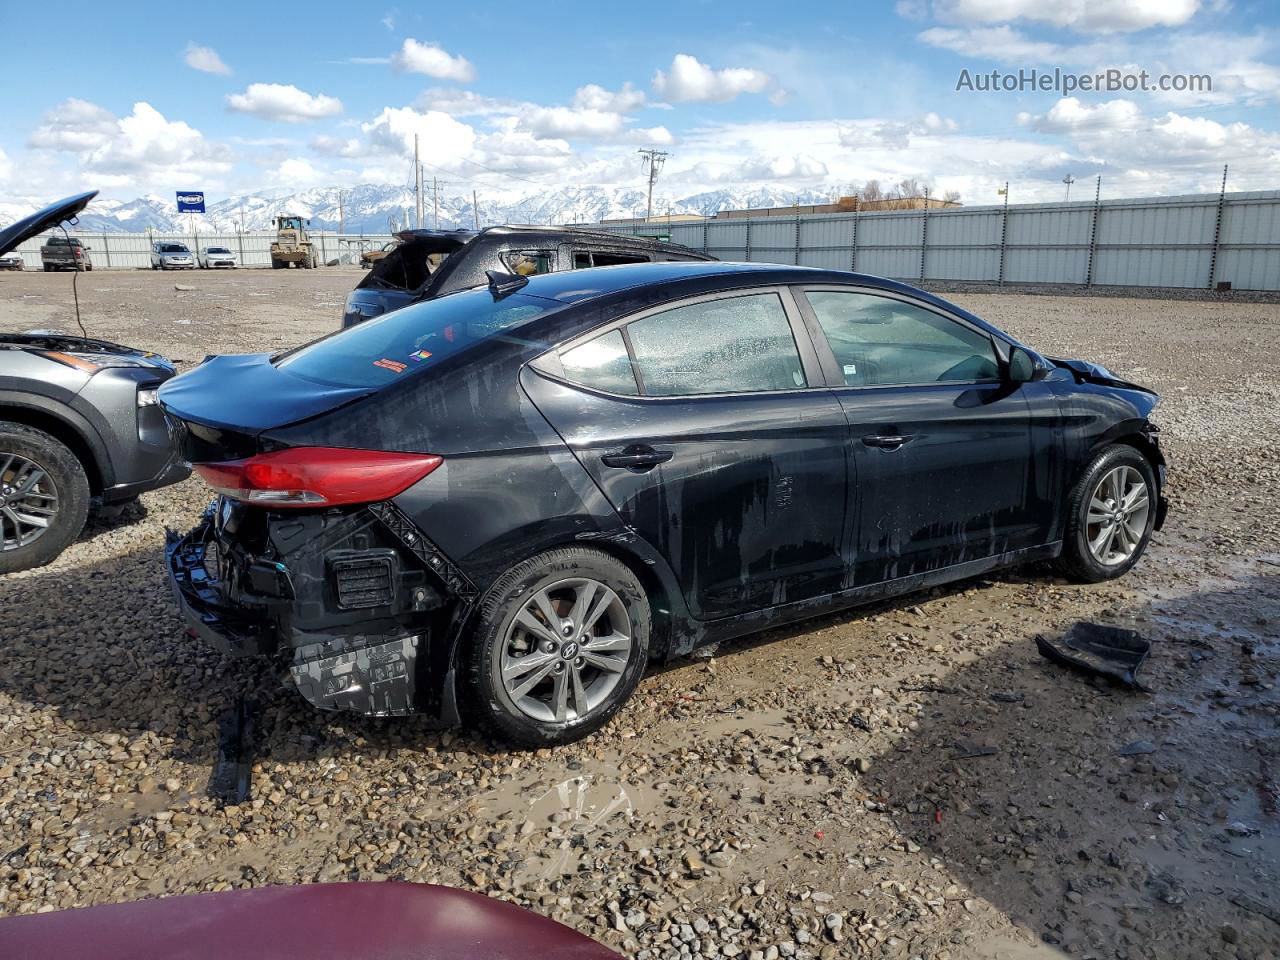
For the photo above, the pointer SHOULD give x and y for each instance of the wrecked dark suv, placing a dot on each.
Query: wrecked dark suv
(507, 501)
(431, 263)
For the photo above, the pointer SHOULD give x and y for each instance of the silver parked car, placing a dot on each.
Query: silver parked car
(216, 257)
(167, 255)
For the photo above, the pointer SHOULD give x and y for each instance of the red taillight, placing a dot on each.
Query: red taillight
(317, 476)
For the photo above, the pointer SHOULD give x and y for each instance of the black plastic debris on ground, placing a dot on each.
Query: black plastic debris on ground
(229, 783)
(1100, 650)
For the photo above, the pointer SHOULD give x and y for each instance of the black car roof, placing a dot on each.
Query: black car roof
(577, 286)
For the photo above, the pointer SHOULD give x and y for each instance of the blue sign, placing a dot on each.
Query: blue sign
(190, 201)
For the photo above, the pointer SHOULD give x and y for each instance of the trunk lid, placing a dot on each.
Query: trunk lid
(222, 406)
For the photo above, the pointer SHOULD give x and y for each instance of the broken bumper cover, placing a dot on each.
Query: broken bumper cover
(200, 599)
(370, 674)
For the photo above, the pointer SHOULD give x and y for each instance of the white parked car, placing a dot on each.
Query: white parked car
(217, 257)
(167, 255)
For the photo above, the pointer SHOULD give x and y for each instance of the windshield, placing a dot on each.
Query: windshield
(217, 250)
(381, 350)
(173, 248)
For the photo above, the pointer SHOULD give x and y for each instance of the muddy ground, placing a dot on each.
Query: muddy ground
(908, 780)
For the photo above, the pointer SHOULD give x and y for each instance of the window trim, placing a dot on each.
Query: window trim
(548, 364)
(832, 370)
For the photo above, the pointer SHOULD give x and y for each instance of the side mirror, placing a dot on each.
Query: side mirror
(1022, 368)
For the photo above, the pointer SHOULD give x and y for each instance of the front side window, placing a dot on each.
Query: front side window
(878, 341)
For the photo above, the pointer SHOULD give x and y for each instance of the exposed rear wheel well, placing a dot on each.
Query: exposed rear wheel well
(64, 433)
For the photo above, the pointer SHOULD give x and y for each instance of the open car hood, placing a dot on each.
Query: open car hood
(42, 220)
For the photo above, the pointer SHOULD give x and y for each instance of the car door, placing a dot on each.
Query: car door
(947, 466)
(707, 426)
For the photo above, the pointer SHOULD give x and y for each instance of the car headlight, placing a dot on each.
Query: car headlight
(148, 397)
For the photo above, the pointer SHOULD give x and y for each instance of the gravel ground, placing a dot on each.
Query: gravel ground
(908, 780)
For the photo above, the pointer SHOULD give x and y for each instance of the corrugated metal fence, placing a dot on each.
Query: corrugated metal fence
(131, 251)
(1187, 241)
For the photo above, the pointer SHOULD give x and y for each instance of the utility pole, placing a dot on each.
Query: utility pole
(435, 200)
(651, 161)
(417, 183)
(475, 209)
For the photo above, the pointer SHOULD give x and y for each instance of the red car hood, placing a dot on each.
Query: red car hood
(335, 921)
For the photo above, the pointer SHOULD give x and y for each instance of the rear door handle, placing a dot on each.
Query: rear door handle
(637, 457)
(887, 442)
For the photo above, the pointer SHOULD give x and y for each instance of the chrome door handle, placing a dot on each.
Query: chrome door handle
(887, 442)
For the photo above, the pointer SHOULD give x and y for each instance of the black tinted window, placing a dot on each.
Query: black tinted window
(734, 345)
(601, 363)
(878, 340)
(386, 348)
(604, 258)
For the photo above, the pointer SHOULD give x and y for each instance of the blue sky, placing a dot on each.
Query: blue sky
(236, 97)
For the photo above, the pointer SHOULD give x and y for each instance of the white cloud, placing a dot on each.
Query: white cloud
(1169, 147)
(896, 134)
(443, 137)
(283, 102)
(298, 172)
(466, 103)
(1084, 16)
(781, 168)
(204, 59)
(337, 146)
(595, 97)
(6, 168)
(568, 122)
(688, 80)
(141, 148)
(432, 60)
(1001, 44)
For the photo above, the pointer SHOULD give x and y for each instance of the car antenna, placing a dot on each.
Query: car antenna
(504, 284)
(74, 292)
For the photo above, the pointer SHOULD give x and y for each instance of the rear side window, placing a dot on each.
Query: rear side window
(602, 363)
(604, 258)
(739, 344)
(528, 263)
(880, 341)
(395, 345)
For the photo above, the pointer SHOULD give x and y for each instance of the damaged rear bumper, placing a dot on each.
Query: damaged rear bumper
(368, 673)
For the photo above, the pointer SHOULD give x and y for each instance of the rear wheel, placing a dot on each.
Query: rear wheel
(1111, 512)
(44, 497)
(561, 641)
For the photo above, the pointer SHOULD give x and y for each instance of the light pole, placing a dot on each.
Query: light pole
(1068, 180)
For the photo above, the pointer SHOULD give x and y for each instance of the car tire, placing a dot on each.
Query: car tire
(48, 269)
(561, 578)
(1123, 541)
(69, 485)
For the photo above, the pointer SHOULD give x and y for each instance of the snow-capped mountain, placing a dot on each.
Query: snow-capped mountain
(371, 208)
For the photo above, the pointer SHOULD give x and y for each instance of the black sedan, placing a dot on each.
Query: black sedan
(506, 501)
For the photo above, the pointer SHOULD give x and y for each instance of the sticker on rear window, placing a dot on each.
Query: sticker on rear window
(393, 365)
(420, 355)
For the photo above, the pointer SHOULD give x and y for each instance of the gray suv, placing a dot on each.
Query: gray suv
(79, 425)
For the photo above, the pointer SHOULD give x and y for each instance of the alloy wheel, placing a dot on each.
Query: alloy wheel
(28, 501)
(566, 650)
(1117, 518)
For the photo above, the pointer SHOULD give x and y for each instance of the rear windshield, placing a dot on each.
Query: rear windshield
(395, 345)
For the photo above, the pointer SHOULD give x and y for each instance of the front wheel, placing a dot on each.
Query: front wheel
(560, 644)
(44, 497)
(1111, 512)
